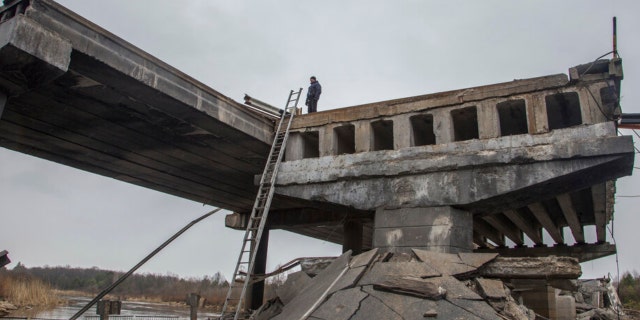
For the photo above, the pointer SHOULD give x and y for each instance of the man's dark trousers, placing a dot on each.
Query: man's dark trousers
(313, 106)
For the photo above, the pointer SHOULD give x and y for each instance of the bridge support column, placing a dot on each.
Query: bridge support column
(352, 237)
(441, 229)
(255, 292)
(3, 102)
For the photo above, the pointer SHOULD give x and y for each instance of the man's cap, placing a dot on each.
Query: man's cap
(313, 77)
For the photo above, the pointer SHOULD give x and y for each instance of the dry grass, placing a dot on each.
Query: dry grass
(27, 291)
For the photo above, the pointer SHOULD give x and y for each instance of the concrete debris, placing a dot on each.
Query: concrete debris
(309, 296)
(532, 268)
(269, 310)
(313, 266)
(289, 289)
(376, 285)
(412, 286)
(596, 299)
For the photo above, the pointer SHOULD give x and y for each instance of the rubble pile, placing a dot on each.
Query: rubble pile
(422, 284)
(597, 299)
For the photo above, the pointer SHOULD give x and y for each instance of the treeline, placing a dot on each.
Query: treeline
(149, 286)
(629, 290)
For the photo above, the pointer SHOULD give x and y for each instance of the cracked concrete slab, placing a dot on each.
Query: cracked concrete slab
(337, 294)
(407, 306)
(445, 263)
(416, 287)
(349, 279)
(341, 305)
(491, 288)
(456, 289)
(452, 310)
(363, 259)
(477, 260)
(373, 308)
(382, 270)
(303, 303)
(295, 283)
(479, 309)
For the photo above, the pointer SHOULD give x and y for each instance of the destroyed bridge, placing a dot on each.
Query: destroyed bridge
(504, 168)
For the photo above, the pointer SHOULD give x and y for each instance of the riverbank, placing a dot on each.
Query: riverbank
(73, 303)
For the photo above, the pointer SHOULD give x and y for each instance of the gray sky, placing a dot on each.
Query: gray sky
(360, 51)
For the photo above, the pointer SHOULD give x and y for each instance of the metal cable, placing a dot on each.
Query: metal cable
(149, 256)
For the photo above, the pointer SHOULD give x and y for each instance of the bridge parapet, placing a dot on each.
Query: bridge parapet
(531, 106)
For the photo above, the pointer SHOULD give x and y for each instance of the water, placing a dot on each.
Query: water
(129, 308)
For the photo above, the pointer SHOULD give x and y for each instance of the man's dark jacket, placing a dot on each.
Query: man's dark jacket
(314, 91)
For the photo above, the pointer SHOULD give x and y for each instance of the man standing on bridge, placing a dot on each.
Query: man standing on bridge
(313, 95)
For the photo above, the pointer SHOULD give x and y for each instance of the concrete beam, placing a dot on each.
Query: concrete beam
(527, 226)
(422, 176)
(506, 227)
(541, 214)
(570, 214)
(35, 55)
(582, 252)
(599, 194)
(552, 267)
(486, 230)
(300, 218)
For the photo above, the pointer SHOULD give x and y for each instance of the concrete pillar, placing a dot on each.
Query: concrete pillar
(255, 292)
(443, 126)
(488, 120)
(325, 140)
(352, 237)
(590, 109)
(537, 113)
(565, 308)
(538, 296)
(401, 132)
(363, 136)
(3, 102)
(441, 229)
(295, 147)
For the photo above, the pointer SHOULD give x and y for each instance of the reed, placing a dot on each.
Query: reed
(27, 291)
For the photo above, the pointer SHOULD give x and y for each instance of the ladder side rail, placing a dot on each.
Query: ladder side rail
(248, 231)
(252, 234)
(271, 189)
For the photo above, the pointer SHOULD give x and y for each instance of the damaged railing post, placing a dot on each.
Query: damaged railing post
(126, 275)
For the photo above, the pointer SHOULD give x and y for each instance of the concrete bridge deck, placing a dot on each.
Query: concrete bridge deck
(78, 95)
(524, 157)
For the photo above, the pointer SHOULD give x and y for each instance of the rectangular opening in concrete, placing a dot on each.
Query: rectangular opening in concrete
(513, 117)
(310, 144)
(344, 139)
(422, 130)
(563, 110)
(465, 123)
(382, 131)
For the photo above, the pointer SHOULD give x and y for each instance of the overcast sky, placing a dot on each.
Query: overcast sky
(360, 51)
